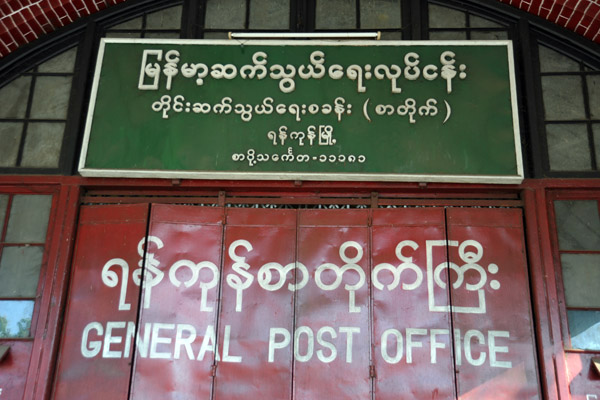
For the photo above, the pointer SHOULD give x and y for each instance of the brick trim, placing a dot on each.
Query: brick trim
(22, 21)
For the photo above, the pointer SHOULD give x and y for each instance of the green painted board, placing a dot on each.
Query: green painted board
(313, 110)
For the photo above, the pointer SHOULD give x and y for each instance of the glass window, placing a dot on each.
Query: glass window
(568, 147)
(584, 327)
(28, 219)
(336, 14)
(570, 93)
(23, 222)
(581, 278)
(225, 14)
(269, 14)
(578, 231)
(380, 14)
(563, 97)
(446, 23)
(15, 318)
(164, 23)
(578, 224)
(444, 17)
(33, 114)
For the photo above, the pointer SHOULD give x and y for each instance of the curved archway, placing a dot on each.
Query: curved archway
(26, 20)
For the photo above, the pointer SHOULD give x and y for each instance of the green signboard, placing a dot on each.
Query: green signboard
(309, 110)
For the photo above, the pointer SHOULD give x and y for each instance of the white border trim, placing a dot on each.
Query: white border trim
(305, 176)
(88, 121)
(515, 109)
(359, 177)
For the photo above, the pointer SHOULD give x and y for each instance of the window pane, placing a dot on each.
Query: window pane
(51, 97)
(584, 327)
(20, 270)
(596, 130)
(42, 145)
(13, 98)
(492, 35)
(3, 204)
(380, 14)
(10, 137)
(593, 86)
(478, 22)
(169, 18)
(163, 35)
(563, 97)
(552, 61)
(15, 318)
(578, 224)
(581, 279)
(444, 17)
(63, 63)
(269, 14)
(336, 14)
(448, 35)
(568, 147)
(225, 14)
(28, 220)
(124, 35)
(391, 35)
(135, 23)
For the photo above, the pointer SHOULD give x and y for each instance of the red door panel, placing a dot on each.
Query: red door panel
(411, 323)
(302, 304)
(13, 369)
(179, 303)
(96, 351)
(256, 315)
(332, 325)
(495, 352)
(584, 381)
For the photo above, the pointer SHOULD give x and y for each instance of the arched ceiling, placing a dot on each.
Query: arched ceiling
(22, 21)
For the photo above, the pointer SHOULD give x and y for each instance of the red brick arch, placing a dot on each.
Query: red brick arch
(22, 21)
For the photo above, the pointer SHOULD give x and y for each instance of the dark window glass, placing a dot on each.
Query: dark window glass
(33, 114)
(23, 224)
(570, 93)
(578, 231)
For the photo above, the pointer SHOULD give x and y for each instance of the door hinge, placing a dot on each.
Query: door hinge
(372, 373)
(213, 370)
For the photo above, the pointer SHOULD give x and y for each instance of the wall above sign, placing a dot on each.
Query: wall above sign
(310, 110)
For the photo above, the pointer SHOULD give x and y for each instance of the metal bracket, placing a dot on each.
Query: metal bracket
(4, 350)
(596, 364)
(372, 373)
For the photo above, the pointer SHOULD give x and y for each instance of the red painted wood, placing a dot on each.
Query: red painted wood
(18, 369)
(181, 238)
(13, 369)
(536, 212)
(107, 236)
(541, 295)
(247, 368)
(63, 214)
(491, 305)
(584, 380)
(333, 245)
(564, 364)
(418, 235)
